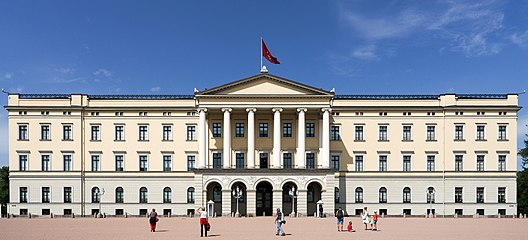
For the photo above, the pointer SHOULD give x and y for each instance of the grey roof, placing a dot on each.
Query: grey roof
(415, 97)
(107, 97)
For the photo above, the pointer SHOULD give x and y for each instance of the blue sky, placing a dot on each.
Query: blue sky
(171, 47)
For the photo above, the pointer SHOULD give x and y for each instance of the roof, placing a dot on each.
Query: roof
(108, 97)
(418, 96)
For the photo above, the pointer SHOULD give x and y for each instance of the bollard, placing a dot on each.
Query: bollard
(126, 215)
(456, 215)
(73, 215)
(498, 215)
(104, 215)
(29, 214)
(51, 215)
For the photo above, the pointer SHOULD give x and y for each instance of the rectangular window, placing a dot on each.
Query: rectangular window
(23, 132)
(45, 132)
(334, 133)
(167, 133)
(287, 160)
(406, 133)
(191, 133)
(480, 195)
(501, 195)
(143, 163)
(480, 163)
(67, 194)
(358, 135)
(383, 163)
(23, 162)
(406, 163)
(359, 163)
(240, 160)
(263, 129)
(67, 162)
(217, 129)
(502, 162)
(310, 129)
(191, 162)
(286, 130)
(119, 163)
(431, 133)
(67, 132)
(239, 130)
(96, 163)
(217, 160)
(480, 132)
(430, 163)
(120, 133)
(167, 163)
(334, 163)
(458, 195)
(459, 132)
(382, 136)
(459, 165)
(143, 133)
(502, 132)
(45, 163)
(45, 194)
(310, 160)
(96, 133)
(23, 195)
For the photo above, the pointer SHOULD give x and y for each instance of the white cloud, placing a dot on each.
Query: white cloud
(103, 72)
(520, 39)
(67, 80)
(366, 53)
(8, 75)
(155, 89)
(68, 71)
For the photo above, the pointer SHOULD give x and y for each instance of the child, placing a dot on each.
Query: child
(374, 222)
(349, 227)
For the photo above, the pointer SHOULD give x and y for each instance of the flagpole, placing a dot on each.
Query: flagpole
(260, 53)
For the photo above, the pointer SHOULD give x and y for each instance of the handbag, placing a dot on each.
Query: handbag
(207, 226)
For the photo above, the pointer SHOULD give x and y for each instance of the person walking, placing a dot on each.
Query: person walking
(153, 220)
(204, 221)
(375, 217)
(279, 221)
(340, 214)
(365, 217)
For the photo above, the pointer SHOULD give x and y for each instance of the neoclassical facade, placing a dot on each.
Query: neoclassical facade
(282, 143)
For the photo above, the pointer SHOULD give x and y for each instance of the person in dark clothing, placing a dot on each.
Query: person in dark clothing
(153, 219)
(340, 215)
(320, 211)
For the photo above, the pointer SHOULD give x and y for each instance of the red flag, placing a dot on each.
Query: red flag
(266, 54)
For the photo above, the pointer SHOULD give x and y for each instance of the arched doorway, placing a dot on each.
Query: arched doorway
(242, 204)
(289, 204)
(264, 199)
(214, 192)
(313, 195)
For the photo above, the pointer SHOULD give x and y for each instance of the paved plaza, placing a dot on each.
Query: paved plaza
(261, 228)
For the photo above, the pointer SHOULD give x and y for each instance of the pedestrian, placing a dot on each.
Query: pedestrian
(204, 221)
(153, 219)
(279, 221)
(320, 210)
(374, 224)
(350, 228)
(365, 217)
(340, 218)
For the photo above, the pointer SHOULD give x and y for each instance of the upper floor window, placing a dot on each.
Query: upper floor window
(286, 130)
(143, 133)
(358, 136)
(458, 195)
(334, 161)
(217, 129)
(119, 195)
(359, 163)
(167, 133)
(310, 129)
(217, 160)
(406, 163)
(287, 160)
(191, 162)
(46, 165)
(23, 162)
(67, 132)
(359, 195)
(143, 163)
(23, 195)
(96, 165)
(430, 195)
(502, 163)
(334, 133)
(310, 160)
(480, 195)
(96, 133)
(239, 129)
(67, 195)
(459, 165)
(407, 195)
(167, 163)
(383, 195)
(430, 163)
(120, 133)
(480, 163)
(119, 163)
(45, 132)
(96, 195)
(190, 195)
(240, 160)
(191, 133)
(46, 194)
(502, 132)
(67, 162)
(480, 132)
(382, 136)
(407, 133)
(23, 132)
(167, 195)
(263, 129)
(501, 195)
(431, 133)
(143, 195)
(459, 132)
(383, 163)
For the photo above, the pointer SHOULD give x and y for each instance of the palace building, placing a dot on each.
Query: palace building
(282, 143)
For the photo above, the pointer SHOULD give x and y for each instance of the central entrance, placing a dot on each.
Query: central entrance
(264, 199)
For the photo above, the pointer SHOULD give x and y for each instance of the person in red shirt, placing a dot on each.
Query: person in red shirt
(375, 221)
(349, 227)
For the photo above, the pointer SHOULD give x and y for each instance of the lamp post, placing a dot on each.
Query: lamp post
(99, 194)
(293, 195)
(431, 193)
(237, 194)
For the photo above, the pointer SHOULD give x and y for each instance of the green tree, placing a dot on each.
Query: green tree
(522, 181)
(4, 185)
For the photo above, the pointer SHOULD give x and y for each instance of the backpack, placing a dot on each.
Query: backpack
(339, 213)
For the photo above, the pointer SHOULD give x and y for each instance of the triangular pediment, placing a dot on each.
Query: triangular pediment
(264, 84)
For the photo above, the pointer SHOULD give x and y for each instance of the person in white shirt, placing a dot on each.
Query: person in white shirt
(203, 221)
(365, 217)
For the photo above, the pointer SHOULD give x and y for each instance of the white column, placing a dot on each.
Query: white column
(301, 139)
(325, 150)
(202, 138)
(276, 137)
(227, 137)
(251, 138)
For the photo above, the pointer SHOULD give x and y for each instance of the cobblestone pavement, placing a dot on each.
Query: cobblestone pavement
(262, 228)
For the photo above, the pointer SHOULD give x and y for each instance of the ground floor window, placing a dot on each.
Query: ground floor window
(480, 211)
(67, 212)
(119, 212)
(407, 211)
(46, 212)
(459, 212)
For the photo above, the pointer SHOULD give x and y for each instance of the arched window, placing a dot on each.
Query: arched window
(406, 195)
(217, 194)
(359, 195)
(190, 195)
(431, 195)
(336, 195)
(96, 197)
(143, 195)
(119, 195)
(167, 195)
(382, 195)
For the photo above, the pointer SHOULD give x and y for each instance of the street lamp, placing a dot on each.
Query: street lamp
(99, 194)
(431, 194)
(293, 195)
(237, 194)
